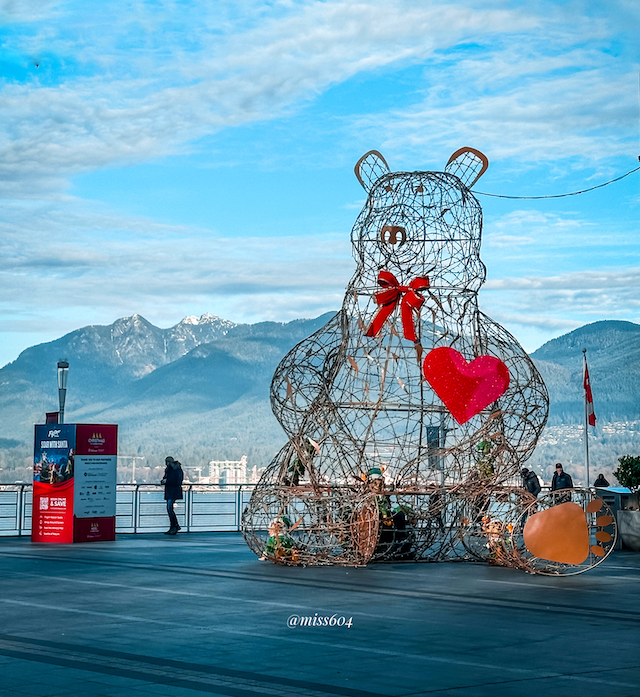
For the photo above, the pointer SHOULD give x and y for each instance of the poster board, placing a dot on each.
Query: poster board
(52, 511)
(74, 482)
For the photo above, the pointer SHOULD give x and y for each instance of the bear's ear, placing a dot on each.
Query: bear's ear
(369, 168)
(468, 165)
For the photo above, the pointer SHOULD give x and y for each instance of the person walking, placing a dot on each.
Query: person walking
(530, 481)
(172, 480)
(561, 480)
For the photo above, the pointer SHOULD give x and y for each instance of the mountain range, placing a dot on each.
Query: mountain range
(200, 390)
(613, 356)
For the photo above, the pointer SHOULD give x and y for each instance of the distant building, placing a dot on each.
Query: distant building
(255, 474)
(225, 472)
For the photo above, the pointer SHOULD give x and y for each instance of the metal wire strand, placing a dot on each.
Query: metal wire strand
(572, 193)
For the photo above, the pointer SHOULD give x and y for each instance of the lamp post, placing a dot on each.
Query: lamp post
(63, 374)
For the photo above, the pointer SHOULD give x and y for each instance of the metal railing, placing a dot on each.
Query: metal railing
(141, 508)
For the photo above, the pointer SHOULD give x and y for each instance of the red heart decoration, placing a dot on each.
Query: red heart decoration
(465, 388)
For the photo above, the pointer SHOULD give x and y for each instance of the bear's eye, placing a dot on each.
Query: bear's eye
(388, 187)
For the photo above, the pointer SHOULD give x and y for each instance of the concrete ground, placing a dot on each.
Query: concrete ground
(199, 613)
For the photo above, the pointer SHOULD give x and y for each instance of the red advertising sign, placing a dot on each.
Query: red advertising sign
(94, 529)
(52, 519)
(96, 439)
(74, 483)
(53, 455)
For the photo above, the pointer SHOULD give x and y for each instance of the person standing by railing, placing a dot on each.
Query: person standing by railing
(172, 480)
(601, 481)
(561, 480)
(530, 481)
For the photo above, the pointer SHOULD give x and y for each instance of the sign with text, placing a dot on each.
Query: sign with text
(94, 439)
(94, 493)
(74, 488)
(53, 455)
(94, 504)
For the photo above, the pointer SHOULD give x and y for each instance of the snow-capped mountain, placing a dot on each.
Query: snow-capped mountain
(201, 387)
(154, 382)
(138, 346)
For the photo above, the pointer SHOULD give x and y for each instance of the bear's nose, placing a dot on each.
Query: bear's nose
(392, 232)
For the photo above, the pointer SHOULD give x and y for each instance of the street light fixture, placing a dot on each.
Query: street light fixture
(63, 374)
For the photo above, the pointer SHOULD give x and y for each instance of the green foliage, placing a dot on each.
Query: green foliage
(384, 505)
(485, 460)
(628, 473)
(283, 541)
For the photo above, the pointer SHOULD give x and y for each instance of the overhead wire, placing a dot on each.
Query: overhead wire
(572, 193)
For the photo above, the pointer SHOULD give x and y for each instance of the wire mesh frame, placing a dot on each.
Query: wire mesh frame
(596, 518)
(367, 432)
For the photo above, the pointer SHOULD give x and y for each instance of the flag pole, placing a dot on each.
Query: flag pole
(586, 418)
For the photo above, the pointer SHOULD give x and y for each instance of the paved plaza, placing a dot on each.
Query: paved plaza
(200, 614)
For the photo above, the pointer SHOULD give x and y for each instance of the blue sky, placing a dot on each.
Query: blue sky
(175, 158)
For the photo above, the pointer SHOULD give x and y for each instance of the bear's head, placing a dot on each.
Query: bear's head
(422, 223)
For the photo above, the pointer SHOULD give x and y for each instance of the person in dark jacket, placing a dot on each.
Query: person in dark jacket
(561, 480)
(172, 480)
(530, 481)
(601, 481)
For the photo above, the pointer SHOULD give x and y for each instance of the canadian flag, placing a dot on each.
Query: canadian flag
(588, 397)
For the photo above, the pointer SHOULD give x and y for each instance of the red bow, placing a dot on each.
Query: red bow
(388, 299)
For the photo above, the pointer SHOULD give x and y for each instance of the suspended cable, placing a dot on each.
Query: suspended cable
(573, 193)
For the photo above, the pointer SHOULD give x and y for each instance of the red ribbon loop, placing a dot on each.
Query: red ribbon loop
(388, 299)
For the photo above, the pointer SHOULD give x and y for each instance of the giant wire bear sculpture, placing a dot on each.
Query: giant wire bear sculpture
(410, 414)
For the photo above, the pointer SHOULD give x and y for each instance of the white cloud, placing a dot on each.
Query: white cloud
(130, 81)
(125, 95)
(596, 281)
(559, 90)
(510, 241)
(129, 104)
(591, 114)
(536, 308)
(90, 264)
(26, 10)
(525, 227)
(543, 322)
